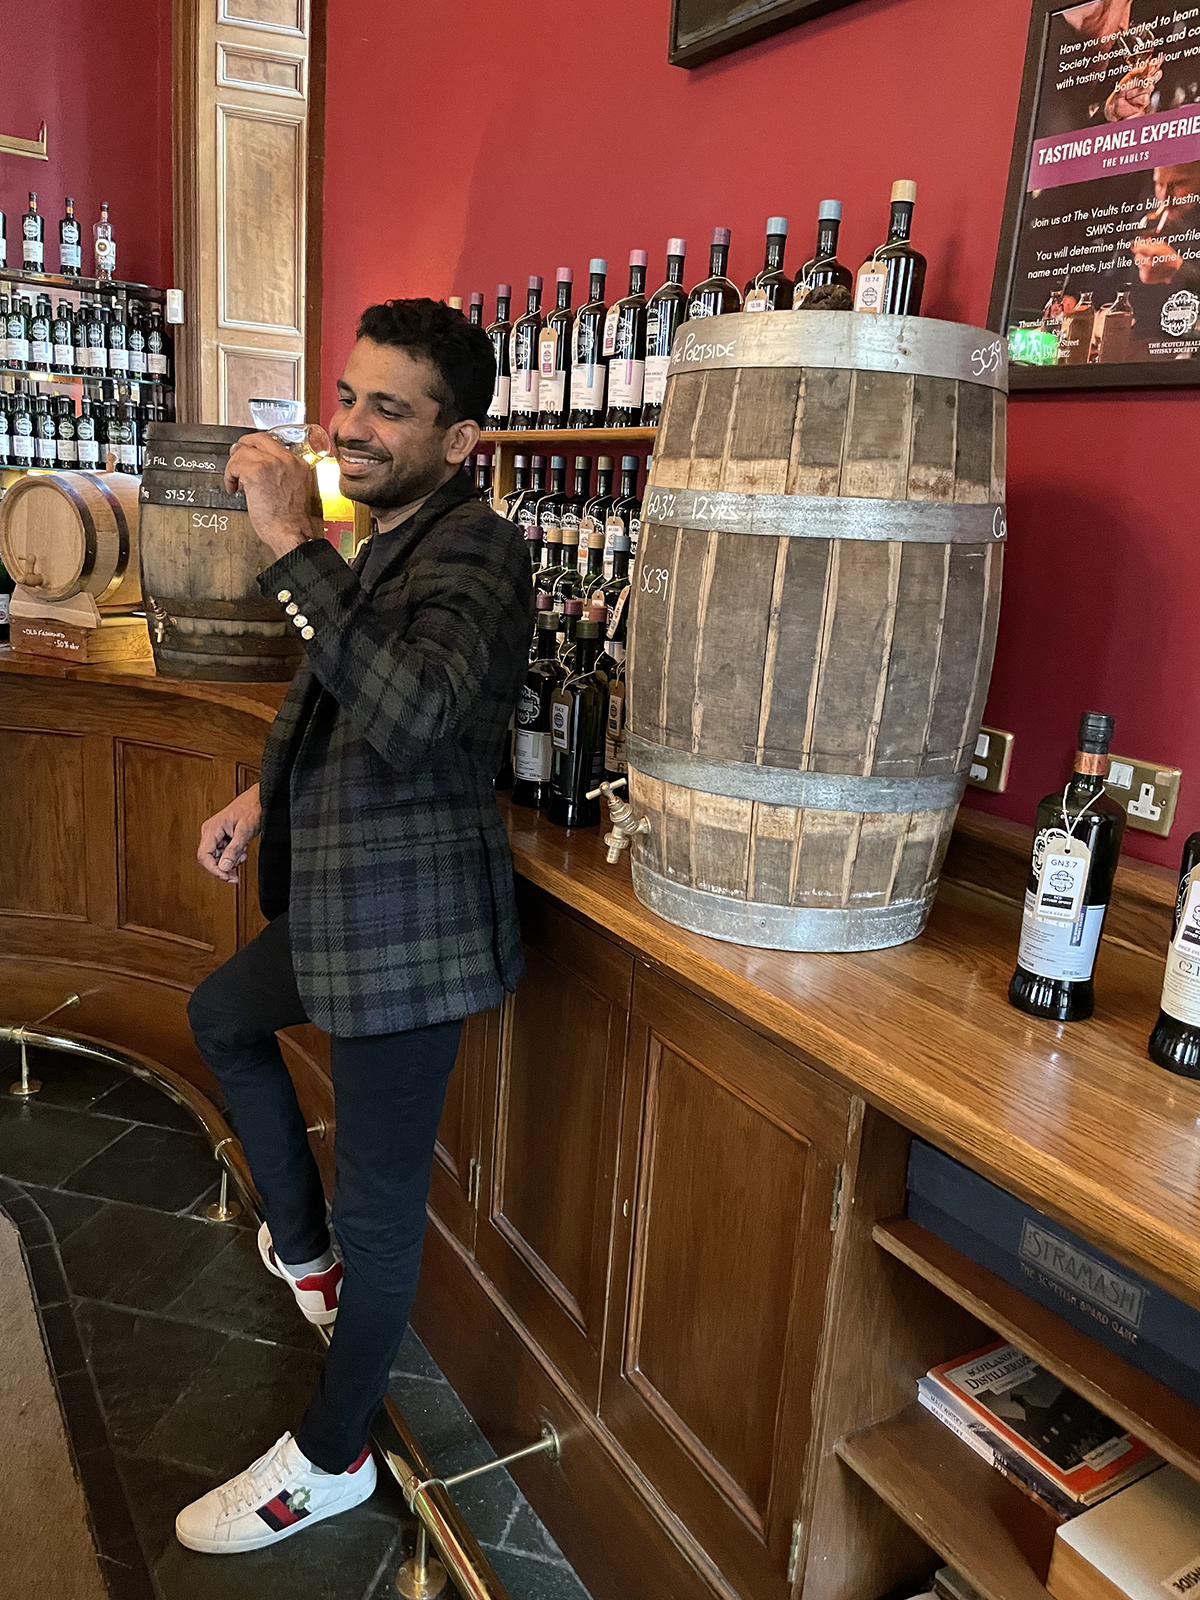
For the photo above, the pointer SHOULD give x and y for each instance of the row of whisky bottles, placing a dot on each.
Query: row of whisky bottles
(70, 242)
(569, 725)
(1076, 845)
(47, 431)
(606, 366)
(104, 334)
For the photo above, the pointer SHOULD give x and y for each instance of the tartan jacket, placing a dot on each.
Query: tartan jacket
(381, 835)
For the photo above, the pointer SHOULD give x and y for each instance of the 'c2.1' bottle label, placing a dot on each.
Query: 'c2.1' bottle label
(656, 379)
(499, 405)
(1181, 980)
(532, 753)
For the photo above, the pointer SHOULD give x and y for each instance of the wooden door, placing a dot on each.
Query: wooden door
(454, 1190)
(730, 1154)
(248, 140)
(556, 1101)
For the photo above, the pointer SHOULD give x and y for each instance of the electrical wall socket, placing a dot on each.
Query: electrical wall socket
(991, 761)
(1148, 792)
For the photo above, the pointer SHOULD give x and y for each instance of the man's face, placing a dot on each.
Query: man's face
(385, 433)
(1177, 187)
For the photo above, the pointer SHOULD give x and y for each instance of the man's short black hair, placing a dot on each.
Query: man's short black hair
(460, 353)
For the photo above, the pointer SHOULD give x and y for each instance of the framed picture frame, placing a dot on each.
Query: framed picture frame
(701, 30)
(1097, 282)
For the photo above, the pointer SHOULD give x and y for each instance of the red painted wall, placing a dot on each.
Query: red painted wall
(99, 75)
(471, 142)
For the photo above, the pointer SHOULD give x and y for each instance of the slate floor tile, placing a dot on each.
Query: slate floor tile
(244, 1219)
(67, 1080)
(84, 1418)
(115, 1536)
(157, 1167)
(42, 1144)
(141, 1365)
(413, 1360)
(62, 1339)
(130, 1256)
(490, 1505)
(139, 1101)
(442, 1424)
(46, 1275)
(64, 1211)
(531, 1578)
(235, 1292)
(527, 1536)
(156, 1492)
(236, 1407)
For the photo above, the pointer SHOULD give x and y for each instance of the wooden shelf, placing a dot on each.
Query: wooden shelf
(57, 280)
(579, 436)
(975, 1519)
(1162, 1418)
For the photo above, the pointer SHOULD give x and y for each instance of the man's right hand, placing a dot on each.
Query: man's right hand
(225, 838)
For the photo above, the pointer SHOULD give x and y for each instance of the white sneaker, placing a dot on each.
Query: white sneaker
(280, 1494)
(316, 1293)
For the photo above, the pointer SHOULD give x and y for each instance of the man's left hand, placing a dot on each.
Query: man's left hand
(278, 487)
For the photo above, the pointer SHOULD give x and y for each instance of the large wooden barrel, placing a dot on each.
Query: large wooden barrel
(200, 563)
(814, 617)
(64, 534)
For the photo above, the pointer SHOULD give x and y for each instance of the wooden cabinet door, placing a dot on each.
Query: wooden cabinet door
(454, 1187)
(544, 1238)
(730, 1150)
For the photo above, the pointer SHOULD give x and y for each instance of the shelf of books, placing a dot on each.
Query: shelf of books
(977, 1520)
(1163, 1419)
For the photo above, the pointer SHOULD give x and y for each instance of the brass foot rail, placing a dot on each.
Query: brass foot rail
(438, 1519)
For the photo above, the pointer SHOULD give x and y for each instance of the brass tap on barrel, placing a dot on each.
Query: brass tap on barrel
(624, 827)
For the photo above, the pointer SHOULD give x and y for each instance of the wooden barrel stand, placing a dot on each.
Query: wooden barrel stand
(814, 618)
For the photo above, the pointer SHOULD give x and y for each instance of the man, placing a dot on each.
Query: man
(384, 868)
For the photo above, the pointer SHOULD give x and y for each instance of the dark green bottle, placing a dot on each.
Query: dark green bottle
(578, 711)
(534, 750)
(1068, 891)
(1175, 1042)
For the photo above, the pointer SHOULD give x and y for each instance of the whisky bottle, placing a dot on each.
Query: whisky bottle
(62, 339)
(823, 283)
(546, 515)
(45, 433)
(33, 238)
(21, 425)
(525, 378)
(475, 309)
(771, 289)
(577, 720)
(114, 340)
(554, 356)
(6, 459)
(105, 246)
(66, 453)
(717, 295)
(524, 511)
(589, 371)
(622, 513)
(41, 347)
(570, 514)
(533, 746)
(18, 335)
(87, 450)
(156, 345)
(70, 252)
(483, 477)
(591, 523)
(666, 310)
(892, 280)
(498, 333)
(1175, 1042)
(625, 348)
(520, 484)
(135, 341)
(1076, 844)
(97, 338)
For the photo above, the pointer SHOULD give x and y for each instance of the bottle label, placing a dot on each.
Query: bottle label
(137, 360)
(106, 254)
(1062, 880)
(67, 453)
(33, 253)
(626, 384)
(47, 450)
(1065, 950)
(22, 444)
(552, 392)
(560, 723)
(615, 618)
(20, 351)
(69, 256)
(1181, 980)
(872, 281)
(64, 355)
(40, 351)
(499, 405)
(524, 391)
(587, 386)
(655, 387)
(126, 453)
(756, 300)
(614, 733)
(532, 756)
(610, 330)
(156, 360)
(3, 609)
(118, 358)
(87, 452)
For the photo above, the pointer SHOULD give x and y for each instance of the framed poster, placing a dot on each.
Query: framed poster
(1098, 277)
(703, 29)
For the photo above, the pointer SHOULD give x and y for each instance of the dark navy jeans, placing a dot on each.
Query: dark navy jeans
(388, 1093)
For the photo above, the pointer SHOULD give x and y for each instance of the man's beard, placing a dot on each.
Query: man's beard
(406, 482)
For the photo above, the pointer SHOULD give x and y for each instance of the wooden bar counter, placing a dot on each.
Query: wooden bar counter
(667, 1210)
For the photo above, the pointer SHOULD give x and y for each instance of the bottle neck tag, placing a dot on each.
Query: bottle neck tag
(869, 290)
(1062, 879)
(547, 352)
(1186, 941)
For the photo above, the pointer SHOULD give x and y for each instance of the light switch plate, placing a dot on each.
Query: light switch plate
(1147, 791)
(175, 306)
(991, 761)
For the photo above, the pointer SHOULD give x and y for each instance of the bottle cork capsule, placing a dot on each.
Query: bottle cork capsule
(904, 189)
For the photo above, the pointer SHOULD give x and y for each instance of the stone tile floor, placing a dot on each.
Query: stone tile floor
(179, 1359)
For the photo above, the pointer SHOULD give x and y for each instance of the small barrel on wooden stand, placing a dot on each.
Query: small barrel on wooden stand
(200, 563)
(814, 617)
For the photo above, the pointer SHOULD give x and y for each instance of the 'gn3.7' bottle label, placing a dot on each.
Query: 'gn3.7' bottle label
(1181, 980)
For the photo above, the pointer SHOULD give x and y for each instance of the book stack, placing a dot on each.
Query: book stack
(1144, 1545)
(1054, 1445)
